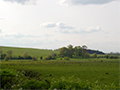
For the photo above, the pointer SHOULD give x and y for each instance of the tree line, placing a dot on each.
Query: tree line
(64, 52)
(9, 55)
(77, 51)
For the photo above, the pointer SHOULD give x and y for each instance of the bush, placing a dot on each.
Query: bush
(10, 79)
(35, 84)
(7, 57)
(60, 58)
(3, 56)
(29, 57)
(30, 73)
(41, 57)
(94, 55)
(86, 55)
(34, 58)
(48, 57)
(20, 57)
(66, 58)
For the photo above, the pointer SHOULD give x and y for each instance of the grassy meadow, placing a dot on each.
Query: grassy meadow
(101, 70)
(32, 52)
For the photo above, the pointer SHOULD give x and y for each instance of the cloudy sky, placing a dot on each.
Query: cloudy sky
(51, 24)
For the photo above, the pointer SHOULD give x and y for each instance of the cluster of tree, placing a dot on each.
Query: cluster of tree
(49, 57)
(113, 53)
(111, 56)
(9, 55)
(77, 51)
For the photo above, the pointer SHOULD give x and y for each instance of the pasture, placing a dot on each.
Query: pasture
(16, 51)
(105, 71)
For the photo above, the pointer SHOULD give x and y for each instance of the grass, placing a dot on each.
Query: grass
(32, 52)
(106, 72)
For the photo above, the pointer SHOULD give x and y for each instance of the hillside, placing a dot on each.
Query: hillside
(95, 51)
(32, 52)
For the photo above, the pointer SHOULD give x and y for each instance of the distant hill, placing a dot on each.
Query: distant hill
(38, 52)
(31, 51)
(95, 51)
(89, 51)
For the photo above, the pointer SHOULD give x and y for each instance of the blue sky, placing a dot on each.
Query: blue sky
(51, 24)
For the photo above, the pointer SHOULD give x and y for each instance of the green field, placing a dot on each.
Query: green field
(101, 70)
(106, 72)
(32, 52)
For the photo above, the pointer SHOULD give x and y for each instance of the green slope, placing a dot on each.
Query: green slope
(32, 52)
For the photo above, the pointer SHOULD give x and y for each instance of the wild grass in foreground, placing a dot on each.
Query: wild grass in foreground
(104, 71)
(12, 79)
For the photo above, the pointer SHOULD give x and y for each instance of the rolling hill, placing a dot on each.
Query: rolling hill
(32, 52)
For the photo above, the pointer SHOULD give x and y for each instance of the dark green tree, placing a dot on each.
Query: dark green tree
(25, 55)
(63, 52)
(9, 52)
(70, 50)
(94, 55)
(84, 50)
(78, 51)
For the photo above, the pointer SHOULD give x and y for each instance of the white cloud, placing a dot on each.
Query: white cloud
(14, 35)
(60, 25)
(92, 29)
(63, 25)
(82, 30)
(0, 30)
(23, 2)
(64, 28)
(85, 2)
(48, 25)
(2, 18)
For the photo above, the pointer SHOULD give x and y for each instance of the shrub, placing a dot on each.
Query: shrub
(10, 79)
(25, 54)
(29, 57)
(106, 56)
(94, 55)
(3, 56)
(86, 55)
(34, 58)
(7, 57)
(35, 84)
(20, 57)
(30, 73)
(66, 58)
(41, 57)
(60, 58)
(48, 57)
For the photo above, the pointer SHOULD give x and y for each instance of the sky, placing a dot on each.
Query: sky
(52, 24)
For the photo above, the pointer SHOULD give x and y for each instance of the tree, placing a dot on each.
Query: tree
(53, 55)
(25, 55)
(70, 50)
(41, 57)
(48, 57)
(84, 47)
(63, 52)
(34, 58)
(7, 57)
(77, 51)
(66, 58)
(0, 53)
(86, 55)
(9, 52)
(106, 56)
(94, 55)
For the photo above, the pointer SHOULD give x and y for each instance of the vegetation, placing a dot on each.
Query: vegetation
(48, 74)
(68, 68)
